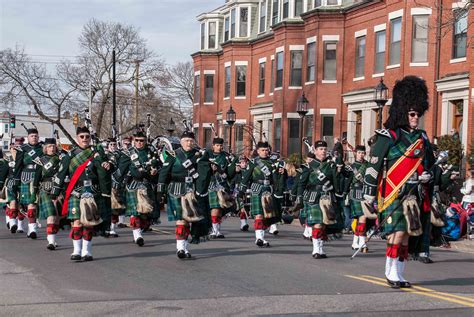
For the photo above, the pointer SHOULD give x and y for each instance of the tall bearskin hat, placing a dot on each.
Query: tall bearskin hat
(409, 94)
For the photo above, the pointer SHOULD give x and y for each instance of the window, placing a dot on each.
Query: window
(240, 73)
(232, 23)
(296, 66)
(298, 7)
(419, 47)
(196, 133)
(311, 67)
(360, 56)
(272, 77)
(227, 82)
(279, 70)
(327, 129)
(212, 35)
(293, 136)
(239, 138)
(395, 40)
(275, 16)
(203, 35)
(329, 71)
(226, 29)
(332, 2)
(286, 9)
(379, 52)
(261, 81)
(208, 88)
(460, 34)
(263, 16)
(244, 18)
(207, 137)
(197, 88)
(277, 140)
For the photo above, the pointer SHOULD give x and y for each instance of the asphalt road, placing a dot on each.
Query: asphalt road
(225, 277)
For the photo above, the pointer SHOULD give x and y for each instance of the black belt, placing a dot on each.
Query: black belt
(314, 188)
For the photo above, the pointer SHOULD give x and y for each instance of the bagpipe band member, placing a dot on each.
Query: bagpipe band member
(48, 208)
(398, 174)
(27, 158)
(13, 217)
(84, 168)
(140, 167)
(240, 202)
(185, 179)
(223, 169)
(356, 197)
(261, 177)
(316, 193)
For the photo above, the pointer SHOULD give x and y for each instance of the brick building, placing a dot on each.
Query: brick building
(260, 56)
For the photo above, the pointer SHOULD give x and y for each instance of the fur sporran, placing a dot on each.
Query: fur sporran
(115, 200)
(436, 214)
(411, 211)
(267, 205)
(189, 205)
(225, 200)
(368, 210)
(144, 203)
(89, 211)
(329, 214)
(3, 195)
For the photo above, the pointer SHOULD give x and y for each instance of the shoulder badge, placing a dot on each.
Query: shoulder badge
(383, 132)
(374, 160)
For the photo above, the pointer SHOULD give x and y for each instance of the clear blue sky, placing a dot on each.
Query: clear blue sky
(51, 27)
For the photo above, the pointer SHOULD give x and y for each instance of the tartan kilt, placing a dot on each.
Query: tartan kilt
(174, 208)
(214, 200)
(314, 215)
(256, 207)
(131, 201)
(239, 204)
(11, 196)
(356, 208)
(45, 207)
(25, 193)
(74, 212)
(397, 221)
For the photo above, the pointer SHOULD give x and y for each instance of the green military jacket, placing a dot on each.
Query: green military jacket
(262, 173)
(45, 172)
(136, 167)
(3, 172)
(356, 179)
(177, 179)
(321, 177)
(27, 157)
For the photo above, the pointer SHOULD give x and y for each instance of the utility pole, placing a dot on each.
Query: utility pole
(114, 100)
(137, 74)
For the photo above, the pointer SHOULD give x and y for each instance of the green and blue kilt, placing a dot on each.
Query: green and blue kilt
(314, 215)
(11, 195)
(397, 221)
(174, 208)
(239, 204)
(256, 207)
(214, 200)
(356, 208)
(74, 212)
(25, 193)
(46, 206)
(132, 202)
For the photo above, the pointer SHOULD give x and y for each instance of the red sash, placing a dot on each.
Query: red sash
(399, 173)
(75, 177)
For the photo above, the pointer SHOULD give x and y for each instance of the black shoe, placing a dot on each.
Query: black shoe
(317, 256)
(245, 228)
(405, 284)
(393, 284)
(181, 254)
(425, 260)
(140, 242)
(122, 225)
(32, 235)
(8, 225)
(259, 242)
(188, 255)
(220, 236)
(75, 257)
(13, 228)
(275, 232)
(323, 256)
(212, 236)
(51, 247)
(87, 258)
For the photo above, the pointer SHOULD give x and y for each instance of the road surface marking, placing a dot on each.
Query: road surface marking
(420, 291)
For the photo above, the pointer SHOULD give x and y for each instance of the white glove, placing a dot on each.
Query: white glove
(425, 177)
(369, 199)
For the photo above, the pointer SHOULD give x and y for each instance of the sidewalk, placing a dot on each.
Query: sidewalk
(463, 245)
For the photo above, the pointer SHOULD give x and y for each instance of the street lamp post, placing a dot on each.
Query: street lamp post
(380, 98)
(230, 118)
(171, 127)
(302, 109)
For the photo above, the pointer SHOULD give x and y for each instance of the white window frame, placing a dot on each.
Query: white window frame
(259, 15)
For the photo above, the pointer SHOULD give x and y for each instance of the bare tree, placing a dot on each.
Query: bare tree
(22, 79)
(92, 72)
(177, 84)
